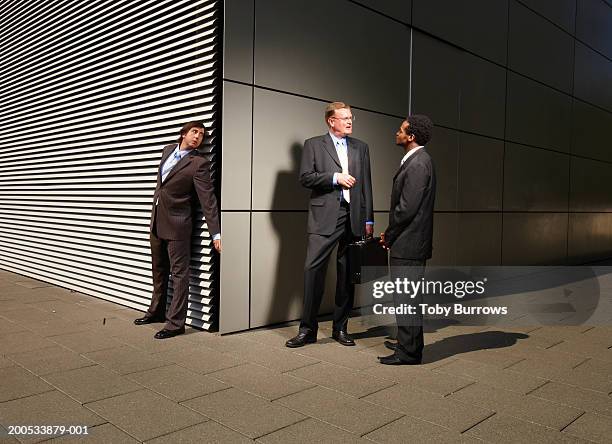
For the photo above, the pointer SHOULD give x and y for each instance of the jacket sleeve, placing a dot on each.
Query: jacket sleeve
(206, 194)
(367, 186)
(310, 176)
(416, 180)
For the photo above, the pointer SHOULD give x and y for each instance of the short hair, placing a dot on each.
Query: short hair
(187, 127)
(331, 108)
(420, 126)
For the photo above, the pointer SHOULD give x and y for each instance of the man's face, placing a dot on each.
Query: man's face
(341, 123)
(401, 136)
(193, 138)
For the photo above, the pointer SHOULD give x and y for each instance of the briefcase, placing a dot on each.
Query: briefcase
(367, 260)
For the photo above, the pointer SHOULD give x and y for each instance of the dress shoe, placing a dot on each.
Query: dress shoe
(148, 320)
(165, 334)
(395, 360)
(301, 340)
(390, 345)
(343, 338)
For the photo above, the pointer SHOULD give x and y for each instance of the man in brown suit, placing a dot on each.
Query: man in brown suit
(183, 178)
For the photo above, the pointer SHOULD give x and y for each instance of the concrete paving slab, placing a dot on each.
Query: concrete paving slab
(177, 383)
(200, 359)
(527, 407)
(310, 431)
(430, 360)
(101, 434)
(261, 381)
(587, 347)
(91, 383)
(597, 366)
(248, 414)
(145, 415)
(56, 327)
(591, 426)
(50, 408)
(351, 382)
(416, 430)
(144, 340)
(83, 342)
(562, 333)
(18, 383)
(500, 378)
(32, 283)
(439, 410)
(346, 412)
(82, 314)
(578, 398)
(579, 376)
(23, 341)
(126, 359)
(114, 327)
(28, 314)
(6, 438)
(208, 432)
(337, 354)
(13, 303)
(4, 362)
(504, 429)
(420, 377)
(9, 327)
(50, 360)
(275, 358)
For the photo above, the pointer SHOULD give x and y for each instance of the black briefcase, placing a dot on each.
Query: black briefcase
(367, 260)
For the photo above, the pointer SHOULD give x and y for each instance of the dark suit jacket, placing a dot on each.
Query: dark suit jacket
(319, 163)
(186, 183)
(410, 230)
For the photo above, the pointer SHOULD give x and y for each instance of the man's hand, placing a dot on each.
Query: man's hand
(383, 242)
(217, 245)
(369, 231)
(345, 180)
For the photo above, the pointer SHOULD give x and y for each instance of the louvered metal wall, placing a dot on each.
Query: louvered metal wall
(89, 94)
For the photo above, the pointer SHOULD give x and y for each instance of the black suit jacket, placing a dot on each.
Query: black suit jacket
(410, 230)
(186, 184)
(319, 163)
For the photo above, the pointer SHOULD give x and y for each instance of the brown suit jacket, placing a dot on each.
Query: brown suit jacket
(188, 182)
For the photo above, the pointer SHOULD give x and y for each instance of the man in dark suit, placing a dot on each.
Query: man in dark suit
(410, 232)
(183, 178)
(336, 168)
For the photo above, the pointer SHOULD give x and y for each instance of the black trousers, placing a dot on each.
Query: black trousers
(409, 327)
(170, 256)
(318, 253)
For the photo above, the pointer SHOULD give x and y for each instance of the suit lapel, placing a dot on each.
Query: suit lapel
(179, 165)
(353, 156)
(331, 149)
(405, 165)
(167, 151)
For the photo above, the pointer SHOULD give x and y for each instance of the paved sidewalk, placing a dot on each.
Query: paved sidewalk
(70, 359)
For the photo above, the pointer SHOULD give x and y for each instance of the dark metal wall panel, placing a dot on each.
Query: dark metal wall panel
(90, 93)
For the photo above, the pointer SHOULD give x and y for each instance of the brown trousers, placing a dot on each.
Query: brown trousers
(170, 256)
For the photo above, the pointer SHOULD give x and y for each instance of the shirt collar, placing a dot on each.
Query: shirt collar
(410, 153)
(336, 139)
(181, 153)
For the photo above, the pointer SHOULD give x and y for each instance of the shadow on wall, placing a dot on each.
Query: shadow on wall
(287, 294)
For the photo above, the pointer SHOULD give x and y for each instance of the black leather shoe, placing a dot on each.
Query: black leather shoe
(147, 320)
(165, 334)
(390, 345)
(301, 340)
(395, 360)
(343, 338)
